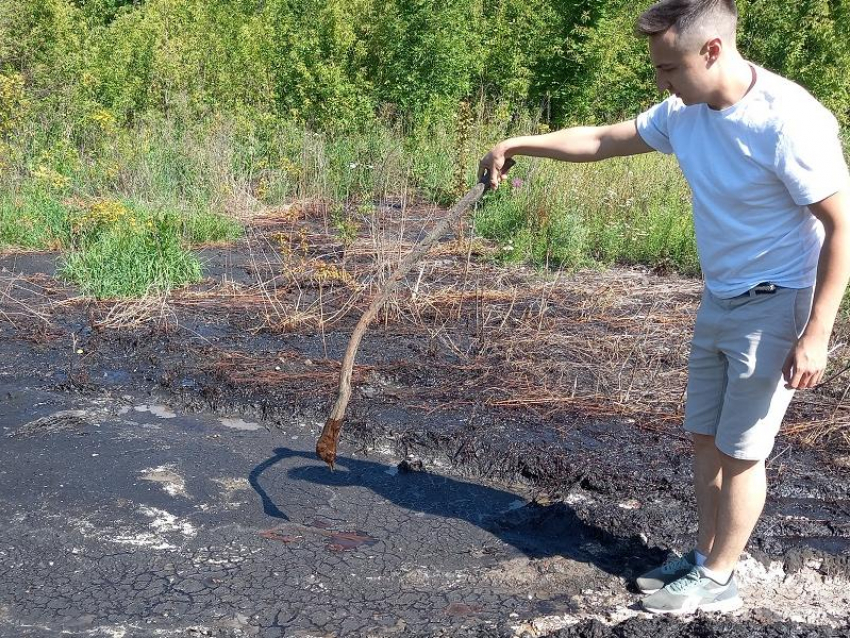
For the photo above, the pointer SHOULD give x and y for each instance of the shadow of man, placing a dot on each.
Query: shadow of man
(536, 530)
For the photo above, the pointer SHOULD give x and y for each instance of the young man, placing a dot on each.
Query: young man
(772, 216)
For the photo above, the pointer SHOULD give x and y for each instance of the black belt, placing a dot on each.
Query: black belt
(764, 288)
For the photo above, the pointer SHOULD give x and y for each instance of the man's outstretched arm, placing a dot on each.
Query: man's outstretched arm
(806, 362)
(578, 144)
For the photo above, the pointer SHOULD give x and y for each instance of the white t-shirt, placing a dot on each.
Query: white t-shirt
(753, 168)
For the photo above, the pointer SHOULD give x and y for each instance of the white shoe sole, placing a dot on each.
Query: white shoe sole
(724, 606)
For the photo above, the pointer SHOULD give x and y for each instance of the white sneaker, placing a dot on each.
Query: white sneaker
(694, 591)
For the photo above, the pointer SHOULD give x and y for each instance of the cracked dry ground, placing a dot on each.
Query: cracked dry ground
(511, 460)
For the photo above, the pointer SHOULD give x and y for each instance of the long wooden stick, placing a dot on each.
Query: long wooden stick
(328, 439)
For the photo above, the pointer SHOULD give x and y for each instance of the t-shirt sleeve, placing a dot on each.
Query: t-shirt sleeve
(653, 126)
(809, 158)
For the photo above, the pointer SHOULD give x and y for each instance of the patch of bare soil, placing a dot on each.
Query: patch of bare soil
(570, 383)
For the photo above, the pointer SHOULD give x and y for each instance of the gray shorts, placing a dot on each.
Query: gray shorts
(736, 392)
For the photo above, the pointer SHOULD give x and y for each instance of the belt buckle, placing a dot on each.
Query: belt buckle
(765, 288)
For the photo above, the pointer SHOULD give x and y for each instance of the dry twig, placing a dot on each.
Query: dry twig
(327, 443)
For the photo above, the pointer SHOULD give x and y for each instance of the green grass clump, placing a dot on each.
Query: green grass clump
(131, 263)
(121, 250)
(112, 249)
(203, 228)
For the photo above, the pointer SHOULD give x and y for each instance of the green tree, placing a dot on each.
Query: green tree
(805, 40)
(518, 38)
(336, 64)
(313, 51)
(596, 69)
(41, 41)
(424, 54)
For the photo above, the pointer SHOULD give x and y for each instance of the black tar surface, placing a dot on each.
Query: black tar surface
(131, 509)
(122, 522)
(254, 537)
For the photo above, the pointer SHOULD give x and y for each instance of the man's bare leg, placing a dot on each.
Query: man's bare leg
(707, 485)
(739, 504)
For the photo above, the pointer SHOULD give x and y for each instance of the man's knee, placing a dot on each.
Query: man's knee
(703, 442)
(733, 466)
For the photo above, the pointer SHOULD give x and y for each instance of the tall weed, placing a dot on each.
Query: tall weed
(623, 211)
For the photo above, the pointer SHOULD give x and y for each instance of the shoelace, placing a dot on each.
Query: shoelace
(686, 582)
(675, 565)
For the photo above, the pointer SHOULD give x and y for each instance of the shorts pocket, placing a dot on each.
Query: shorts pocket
(802, 309)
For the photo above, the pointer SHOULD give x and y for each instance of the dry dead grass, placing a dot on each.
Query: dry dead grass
(25, 299)
(281, 370)
(601, 344)
(152, 309)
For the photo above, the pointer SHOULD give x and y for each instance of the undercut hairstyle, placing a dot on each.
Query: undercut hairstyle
(690, 17)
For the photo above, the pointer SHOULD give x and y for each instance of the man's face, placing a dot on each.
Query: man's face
(679, 69)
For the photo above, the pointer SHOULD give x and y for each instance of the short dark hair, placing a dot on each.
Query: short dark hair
(681, 14)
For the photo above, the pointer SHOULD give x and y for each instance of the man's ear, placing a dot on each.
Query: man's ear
(712, 50)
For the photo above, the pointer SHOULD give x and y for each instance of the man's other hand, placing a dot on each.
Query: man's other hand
(805, 364)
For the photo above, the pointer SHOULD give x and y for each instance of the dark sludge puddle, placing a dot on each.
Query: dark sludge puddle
(338, 541)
